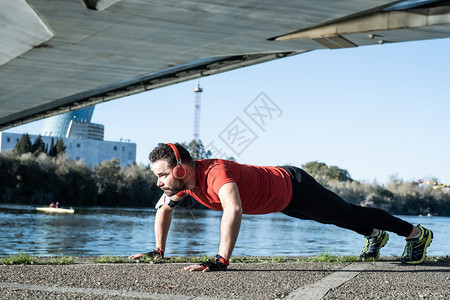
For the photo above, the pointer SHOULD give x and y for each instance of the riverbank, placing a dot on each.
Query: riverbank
(386, 279)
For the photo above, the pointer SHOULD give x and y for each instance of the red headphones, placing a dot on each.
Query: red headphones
(178, 171)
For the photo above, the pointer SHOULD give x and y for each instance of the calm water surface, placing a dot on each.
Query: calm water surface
(107, 231)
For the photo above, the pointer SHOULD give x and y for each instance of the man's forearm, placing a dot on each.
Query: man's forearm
(163, 219)
(229, 231)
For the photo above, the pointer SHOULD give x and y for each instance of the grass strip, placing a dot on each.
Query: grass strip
(65, 260)
(329, 257)
(20, 259)
(27, 259)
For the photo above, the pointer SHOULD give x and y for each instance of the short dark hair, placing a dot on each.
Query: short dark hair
(165, 152)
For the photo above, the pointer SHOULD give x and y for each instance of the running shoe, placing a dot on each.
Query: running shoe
(372, 246)
(416, 249)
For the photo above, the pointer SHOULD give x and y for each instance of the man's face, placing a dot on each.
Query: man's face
(166, 182)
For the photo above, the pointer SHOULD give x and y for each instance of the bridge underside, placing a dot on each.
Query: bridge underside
(61, 55)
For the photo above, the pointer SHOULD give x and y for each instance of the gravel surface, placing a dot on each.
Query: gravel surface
(243, 281)
(85, 280)
(386, 280)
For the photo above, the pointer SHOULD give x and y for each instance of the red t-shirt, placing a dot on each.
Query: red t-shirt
(262, 189)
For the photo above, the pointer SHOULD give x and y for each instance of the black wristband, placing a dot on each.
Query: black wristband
(172, 203)
(155, 253)
(219, 264)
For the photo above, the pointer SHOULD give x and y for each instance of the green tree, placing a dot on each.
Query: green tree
(24, 144)
(30, 179)
(109, 179)
(35, 179)
(322, 172)
(75, 184)
(60, 147)
(52, 150)
(38, 146)
(197, 150)
(140, 187)
(9, 164)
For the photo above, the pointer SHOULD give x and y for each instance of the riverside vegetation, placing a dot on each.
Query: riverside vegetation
(27, 259)
(35, 174)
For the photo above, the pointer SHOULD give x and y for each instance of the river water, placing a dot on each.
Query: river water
(121, 232)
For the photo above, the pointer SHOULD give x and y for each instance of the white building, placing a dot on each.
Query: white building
(91, 151)
(85, 130)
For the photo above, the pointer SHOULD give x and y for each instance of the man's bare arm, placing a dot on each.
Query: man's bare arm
(231, 218)
(163, 219)
(230, 223)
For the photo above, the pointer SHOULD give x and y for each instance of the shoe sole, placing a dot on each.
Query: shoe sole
(424, 255)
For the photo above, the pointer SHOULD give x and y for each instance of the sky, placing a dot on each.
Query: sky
(376, 111)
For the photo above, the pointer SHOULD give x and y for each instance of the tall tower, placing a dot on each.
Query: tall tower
(198, 99)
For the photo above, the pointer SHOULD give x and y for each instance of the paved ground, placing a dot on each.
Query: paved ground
(385, 279)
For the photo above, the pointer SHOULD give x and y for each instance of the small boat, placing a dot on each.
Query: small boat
(50, 209)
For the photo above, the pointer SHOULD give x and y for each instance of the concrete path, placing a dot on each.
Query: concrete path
(293, 280)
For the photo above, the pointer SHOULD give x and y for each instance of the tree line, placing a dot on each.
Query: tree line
(42, 179)
(397, 196)
(39, 178)
(38, 146)
(36, 174)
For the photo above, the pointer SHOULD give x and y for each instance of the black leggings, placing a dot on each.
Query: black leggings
(312, 201)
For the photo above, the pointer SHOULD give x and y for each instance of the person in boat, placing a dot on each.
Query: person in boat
(57, 205)
(52, 204)
(238, 189)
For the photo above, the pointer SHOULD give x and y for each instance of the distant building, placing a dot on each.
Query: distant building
(92, 152)
(84, 130)
(83, 139)
(58, 126)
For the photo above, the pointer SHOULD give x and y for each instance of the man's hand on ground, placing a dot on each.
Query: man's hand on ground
(136, 256)
(155, 253)
(219, 264)
(197, 268)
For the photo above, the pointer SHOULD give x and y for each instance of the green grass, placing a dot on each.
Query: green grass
(64, 260)
(249, 260)
(329, 257)
(27, 259)
(150, 260)
(20, 259)
(246, 260)
(177, 259)
(180, 259)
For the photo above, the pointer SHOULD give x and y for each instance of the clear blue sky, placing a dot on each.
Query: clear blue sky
(376, 111)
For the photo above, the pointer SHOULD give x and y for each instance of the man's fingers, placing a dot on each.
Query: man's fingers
(136, 256)
(189, 268)
(196, 268)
